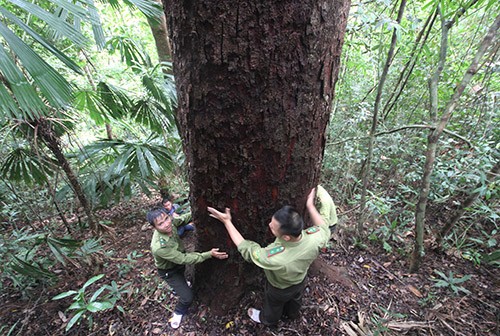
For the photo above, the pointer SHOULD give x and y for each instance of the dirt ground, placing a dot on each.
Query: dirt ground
(350, 291)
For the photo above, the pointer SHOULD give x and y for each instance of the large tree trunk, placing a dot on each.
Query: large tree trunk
(255, 80)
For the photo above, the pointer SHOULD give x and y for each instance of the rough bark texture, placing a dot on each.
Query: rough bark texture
(255, 80)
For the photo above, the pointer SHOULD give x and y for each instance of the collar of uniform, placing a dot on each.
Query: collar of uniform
(285, 243)
(166, 236)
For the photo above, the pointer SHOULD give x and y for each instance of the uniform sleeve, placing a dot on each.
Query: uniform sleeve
(182, 219)
(253, 252)
(327, 208)
(181, 258)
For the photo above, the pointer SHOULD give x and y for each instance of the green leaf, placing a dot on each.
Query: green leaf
(130, 51)
(65, 294)
(97, 293)
(387, 246)
(53, 21)
(466, 291)
(115, 101)
(10, 108)
(99, 37)
(66, 242)
(22, 165)
(92, 280)
(492, 257)
(151, 9)
(79, 304)
(98, 306)
(52, 85)
(74, 319)
(152, 161)
(28, 269)
(89, 100)
(462, 279)
(441, 274)
(441, 283)
(28, 100)
(142, 162)
(50, 47)
(56, 251)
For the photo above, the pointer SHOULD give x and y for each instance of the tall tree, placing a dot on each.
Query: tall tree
(160, 34)
(369, 156)
(32, 91)
(255, 81)
(53, 142)
(440, 124)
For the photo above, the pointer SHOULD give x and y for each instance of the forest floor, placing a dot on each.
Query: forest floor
(350, 291)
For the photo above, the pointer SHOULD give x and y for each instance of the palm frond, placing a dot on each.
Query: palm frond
(21, 165)
(52, 85)
(56, 23)
(26, 96)
(155, 90)
(88, 13)
(151, 9)
(143, 160)
(130, 51)
(8, 104)
(77, 10)
(99, 37)
(50, 47)
(152, 114)
(89, 100)
(114, 99)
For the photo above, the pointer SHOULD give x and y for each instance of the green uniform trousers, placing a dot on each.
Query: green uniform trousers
(175, 279)
(280, 303)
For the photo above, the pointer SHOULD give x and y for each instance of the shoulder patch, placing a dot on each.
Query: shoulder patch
(312, 230)
(163, 242)
(274, 251)
(255, 255)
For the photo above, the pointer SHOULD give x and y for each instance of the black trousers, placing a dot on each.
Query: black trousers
(175, 279)
(280, 303)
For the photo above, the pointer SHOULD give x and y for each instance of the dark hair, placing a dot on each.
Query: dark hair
(167, 199)
(291, 222)
(154, 214)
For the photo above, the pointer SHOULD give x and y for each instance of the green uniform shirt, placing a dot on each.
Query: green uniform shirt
(286, 263)
(168, 251)
(326, 207)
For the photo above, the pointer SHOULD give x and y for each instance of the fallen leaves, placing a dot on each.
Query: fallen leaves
(415, 291)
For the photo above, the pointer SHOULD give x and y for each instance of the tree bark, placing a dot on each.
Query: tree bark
(255, 81)
(162, 42)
